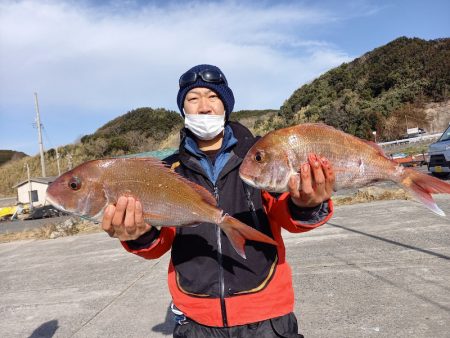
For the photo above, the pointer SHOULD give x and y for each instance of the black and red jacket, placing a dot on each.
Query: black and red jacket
(207, 279)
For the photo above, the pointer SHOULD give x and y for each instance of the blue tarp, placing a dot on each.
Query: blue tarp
(163, 153)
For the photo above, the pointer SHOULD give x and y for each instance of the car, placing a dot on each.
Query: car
(439, 163)
(414, 132)
(46, 211)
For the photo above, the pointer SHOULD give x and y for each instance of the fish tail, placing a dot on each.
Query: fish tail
(421, 186)
(237, 232)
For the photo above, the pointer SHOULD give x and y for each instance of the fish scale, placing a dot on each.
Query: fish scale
(350, 171)
(277, 156)
(162, 200)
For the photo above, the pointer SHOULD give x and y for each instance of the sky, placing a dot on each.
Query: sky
(92, 61)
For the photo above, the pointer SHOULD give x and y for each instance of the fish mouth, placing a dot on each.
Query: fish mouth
(57, 205)
(248, 180)
(53, 202)
(96, 218)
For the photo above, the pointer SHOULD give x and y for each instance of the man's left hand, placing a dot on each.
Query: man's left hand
(314, 184)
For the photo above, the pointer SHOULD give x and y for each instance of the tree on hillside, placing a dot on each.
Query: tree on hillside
(361, 96)
(131, 132)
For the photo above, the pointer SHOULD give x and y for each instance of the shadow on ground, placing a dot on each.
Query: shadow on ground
(45, 330)
(166, 328)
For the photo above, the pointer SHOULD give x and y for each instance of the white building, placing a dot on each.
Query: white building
(38, 190)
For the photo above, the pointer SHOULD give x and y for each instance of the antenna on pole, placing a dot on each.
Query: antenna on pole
(41, 146)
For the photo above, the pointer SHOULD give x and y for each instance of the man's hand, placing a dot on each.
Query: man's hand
(314, 184)
(125, 221)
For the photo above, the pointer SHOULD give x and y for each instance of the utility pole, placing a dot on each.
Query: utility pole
(29, 187)
(41, 146)
(57, 162)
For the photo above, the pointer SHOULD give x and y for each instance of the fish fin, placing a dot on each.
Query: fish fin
(237, 232)
(126, 158)
(205, 194)
(150, 160)
(421, 186)
(377, 148)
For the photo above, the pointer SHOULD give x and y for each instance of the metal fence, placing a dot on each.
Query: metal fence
(408, 141)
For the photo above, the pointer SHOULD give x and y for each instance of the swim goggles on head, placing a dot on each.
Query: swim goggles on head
(207, 75)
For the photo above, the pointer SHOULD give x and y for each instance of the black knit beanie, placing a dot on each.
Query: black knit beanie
(221, 89)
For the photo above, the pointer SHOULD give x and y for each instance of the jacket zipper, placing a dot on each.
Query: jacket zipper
(251, 206)
(220, 262)
(219, 249)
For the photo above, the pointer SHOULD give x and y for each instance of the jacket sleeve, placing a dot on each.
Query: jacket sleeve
(283, 212)
(152, 244)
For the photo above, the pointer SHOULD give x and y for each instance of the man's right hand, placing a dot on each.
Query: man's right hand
(125, 221)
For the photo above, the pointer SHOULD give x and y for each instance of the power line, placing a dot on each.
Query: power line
(52, 146)
(47, 136)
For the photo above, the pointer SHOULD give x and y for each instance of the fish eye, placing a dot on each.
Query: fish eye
(75, 183)
(258, 156)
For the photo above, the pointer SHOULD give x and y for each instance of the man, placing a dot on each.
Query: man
(215, 292)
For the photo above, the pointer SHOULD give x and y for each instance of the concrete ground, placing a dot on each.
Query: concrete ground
(379, 269)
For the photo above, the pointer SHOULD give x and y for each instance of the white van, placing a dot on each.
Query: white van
(439, 164)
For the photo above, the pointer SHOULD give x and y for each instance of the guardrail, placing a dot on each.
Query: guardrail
(421, 138)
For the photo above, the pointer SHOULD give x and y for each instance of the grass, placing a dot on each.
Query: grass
(410, 149)
(368, 195)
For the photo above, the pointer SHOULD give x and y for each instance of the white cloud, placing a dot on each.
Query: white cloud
(95, 58)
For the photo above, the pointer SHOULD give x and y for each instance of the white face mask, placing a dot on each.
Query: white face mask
(205, 127)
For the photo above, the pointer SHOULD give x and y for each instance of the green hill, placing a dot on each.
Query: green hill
(141, 129)
(10, 155)
(377, 91)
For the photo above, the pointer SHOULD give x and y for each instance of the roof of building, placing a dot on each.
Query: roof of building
(43, 180)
